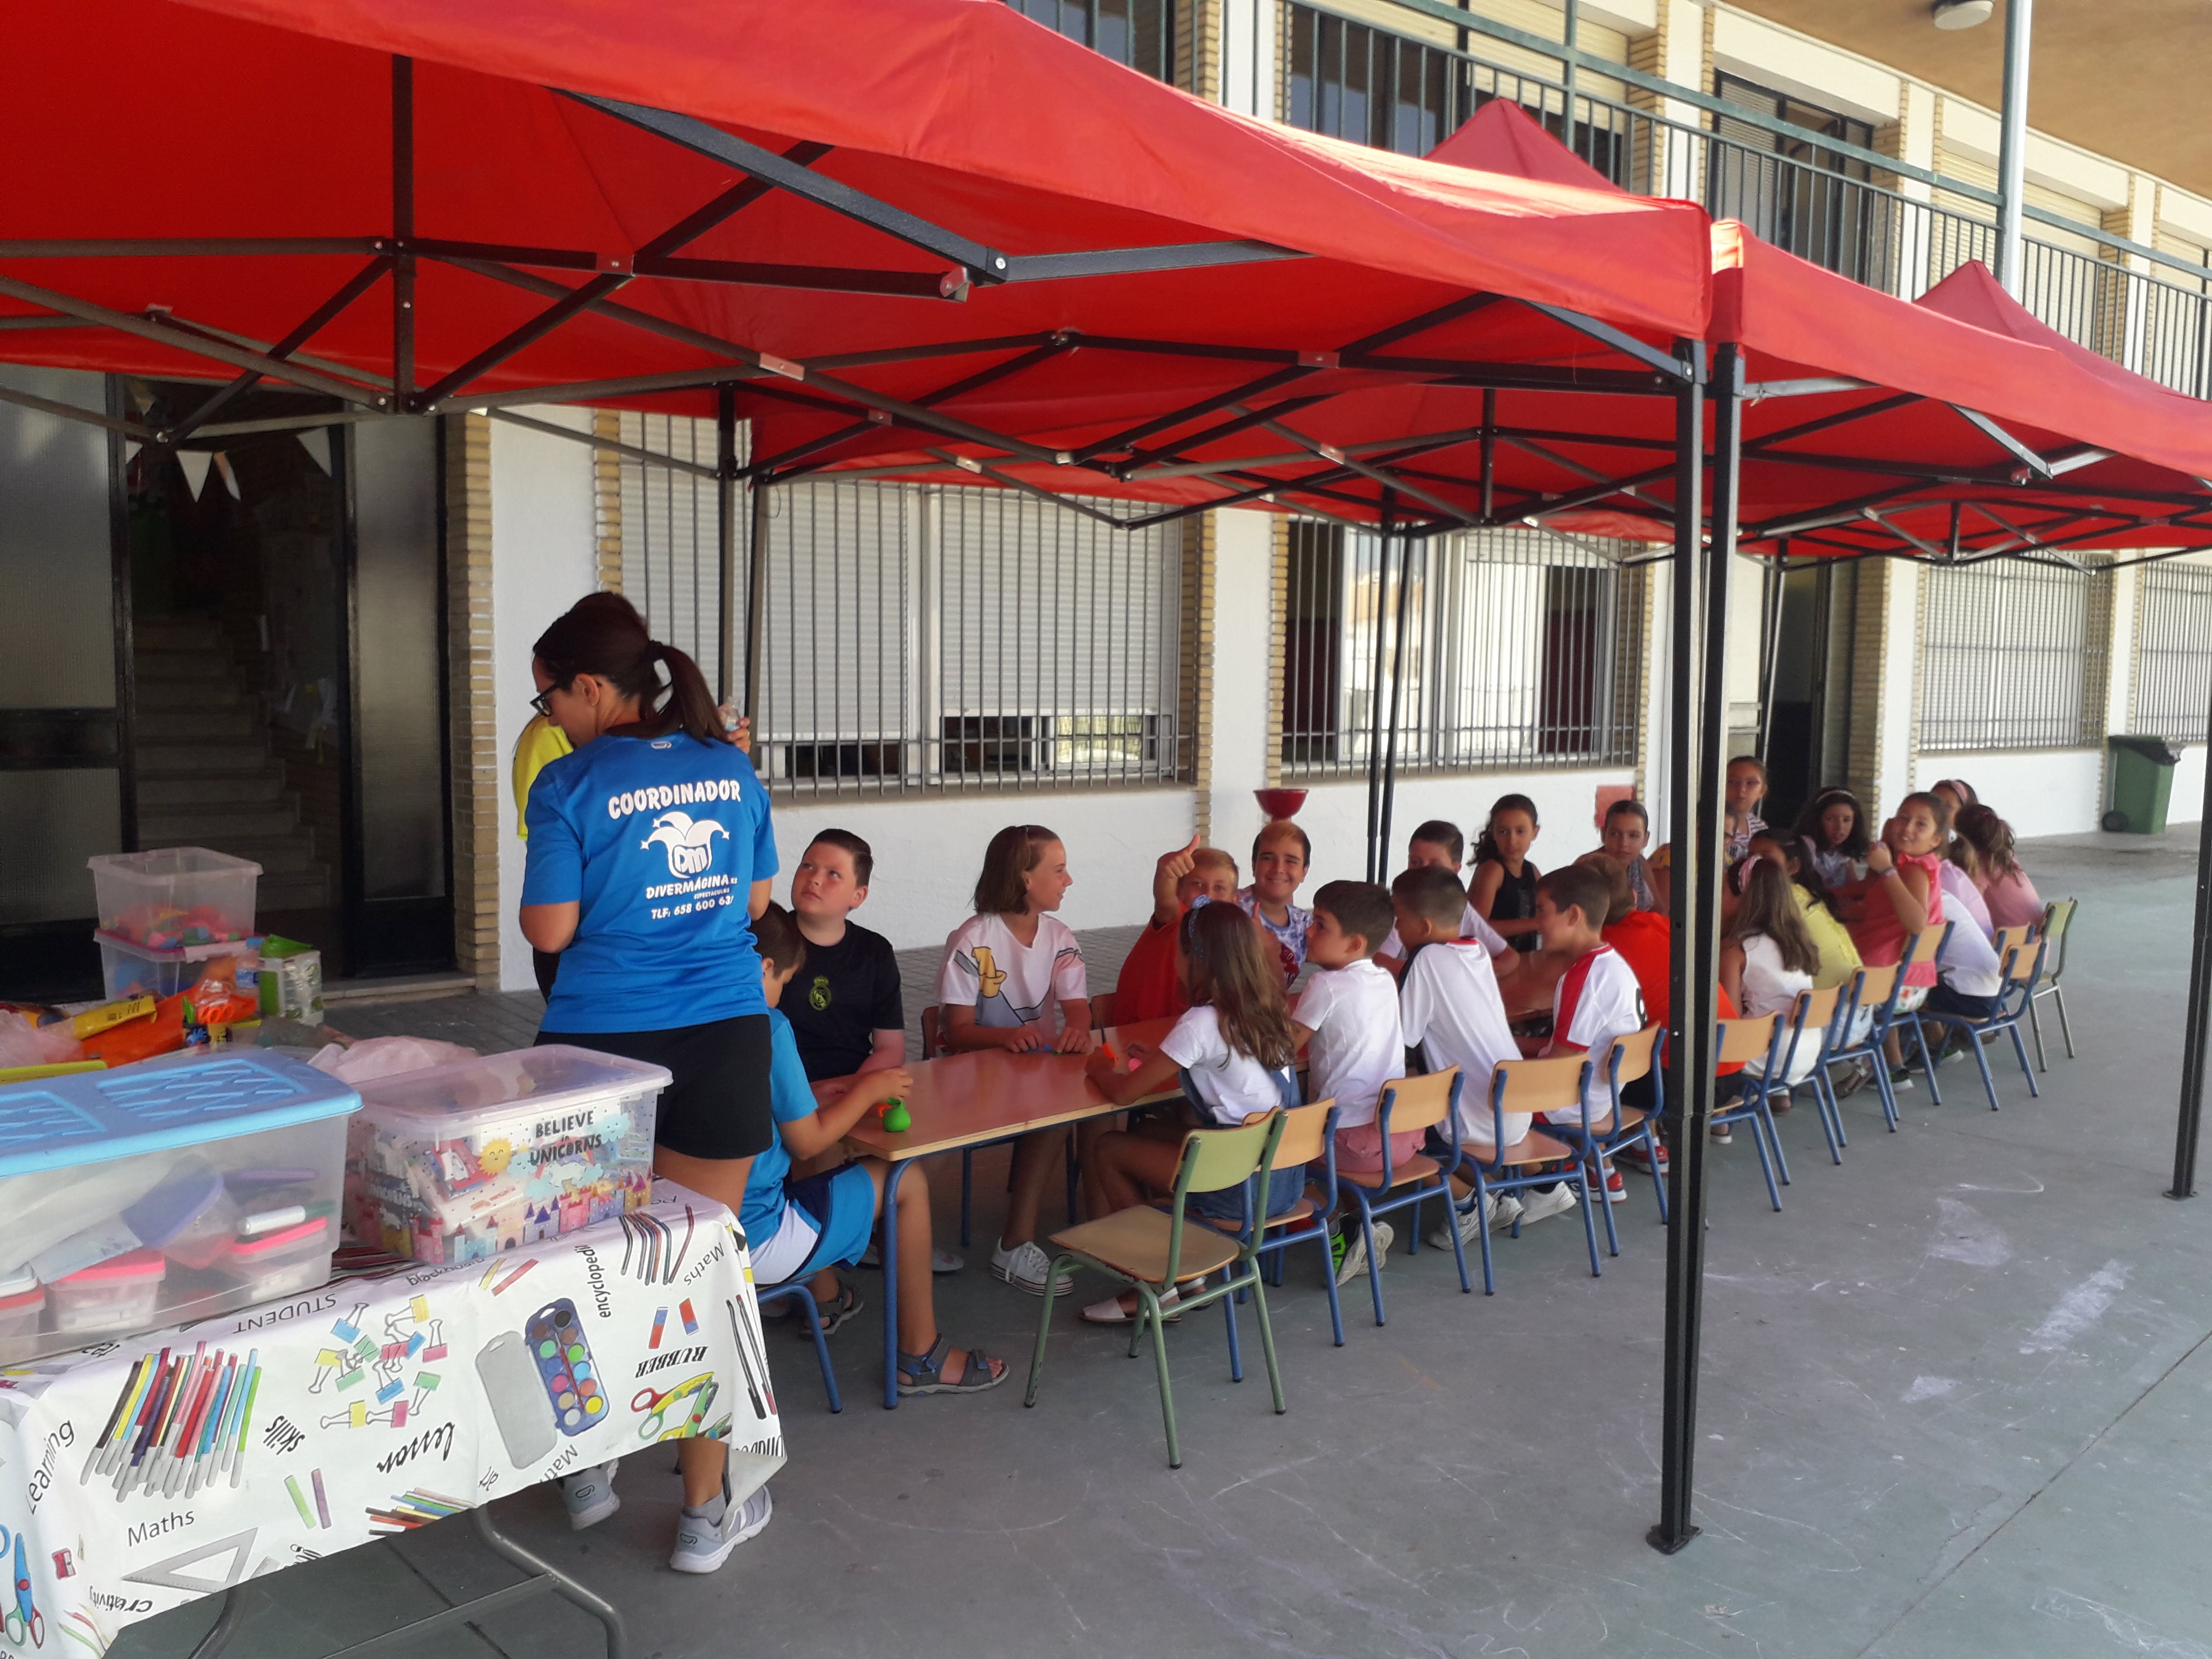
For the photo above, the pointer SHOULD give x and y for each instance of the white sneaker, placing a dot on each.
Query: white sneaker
(702, 1545)
(1355, 1250)
(1535, 1206)
(589, 1495)
(1498, 1208)
(1024, 1267)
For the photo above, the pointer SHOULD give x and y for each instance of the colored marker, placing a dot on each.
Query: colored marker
(500, 1289)
(246, 1422)
(322, 1502)
(299, 1499)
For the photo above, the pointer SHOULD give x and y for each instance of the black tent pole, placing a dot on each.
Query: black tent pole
(725, 542)
(2200, 1013)
(1699, 711)
(1397, 693)
(1375, 693)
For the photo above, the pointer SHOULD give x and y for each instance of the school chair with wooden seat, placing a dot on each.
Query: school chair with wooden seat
(1430, 1101)
(1308, 1142)
(1153, 1251)
(1624, 1060)
(2022, 954)
(1817, 1020)
(1554, 1087)
(2057, 917)
(932, 1045)
(794, 1290)
(1769, 1040)
(1926, 947)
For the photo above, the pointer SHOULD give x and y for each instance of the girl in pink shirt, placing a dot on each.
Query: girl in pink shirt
(1984, 850)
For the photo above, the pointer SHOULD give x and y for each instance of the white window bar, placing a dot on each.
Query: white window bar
(2004, 659)
(2174, 651)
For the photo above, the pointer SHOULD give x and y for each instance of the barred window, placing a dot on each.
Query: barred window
(2005, 659)
(1521, 648)
(2174, 651)
(916, 637)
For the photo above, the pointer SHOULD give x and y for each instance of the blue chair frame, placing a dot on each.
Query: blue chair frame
(1886, 1018)
(1755, 1091)
(1492, 1176)
(1317, 1227)
(1597, 1145)
(795, 1290)
(2015, 995)
(1392, 1190)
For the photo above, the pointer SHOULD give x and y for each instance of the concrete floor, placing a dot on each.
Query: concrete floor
(1957, 1400)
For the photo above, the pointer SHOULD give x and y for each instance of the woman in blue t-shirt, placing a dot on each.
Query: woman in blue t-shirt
(650, 852)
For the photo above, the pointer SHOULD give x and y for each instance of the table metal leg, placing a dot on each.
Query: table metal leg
(890, 1284)
(558, 1582)
(225, 1626)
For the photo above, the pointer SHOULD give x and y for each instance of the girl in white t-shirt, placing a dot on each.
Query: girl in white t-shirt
(1768, 959)
(1003, 968)
(1234, 1049)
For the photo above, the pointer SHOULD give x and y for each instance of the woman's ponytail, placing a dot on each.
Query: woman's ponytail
(603, 634)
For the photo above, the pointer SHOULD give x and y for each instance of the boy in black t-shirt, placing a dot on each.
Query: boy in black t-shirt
(844, 1007)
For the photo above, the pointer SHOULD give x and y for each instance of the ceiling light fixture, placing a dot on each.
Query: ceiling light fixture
(1962, 14)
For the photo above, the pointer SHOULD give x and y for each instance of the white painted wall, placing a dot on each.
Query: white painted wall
(929, 852)
(2040, 792)
(544, 559)
(2187, 806)
(1794, 63)
(1893, 748)
(1244, 631)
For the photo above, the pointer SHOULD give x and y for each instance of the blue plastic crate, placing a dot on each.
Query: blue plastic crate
(158, 1106)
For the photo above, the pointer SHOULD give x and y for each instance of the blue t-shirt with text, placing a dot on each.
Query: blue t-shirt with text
(660, 840)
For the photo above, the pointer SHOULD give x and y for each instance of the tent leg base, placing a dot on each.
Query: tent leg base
(1670, 1543)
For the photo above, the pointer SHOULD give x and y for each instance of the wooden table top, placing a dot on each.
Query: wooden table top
(988, 1094)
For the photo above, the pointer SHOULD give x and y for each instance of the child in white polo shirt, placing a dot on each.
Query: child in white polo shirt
(1347, 1015)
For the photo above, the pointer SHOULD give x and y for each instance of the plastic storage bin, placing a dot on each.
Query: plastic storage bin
(465, 1160)
(2142, 783)
(133, 970)
(174, 895)
(168, 1161)
(22, 1300)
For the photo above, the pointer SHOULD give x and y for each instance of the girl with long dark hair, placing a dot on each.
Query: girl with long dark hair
(650, 852)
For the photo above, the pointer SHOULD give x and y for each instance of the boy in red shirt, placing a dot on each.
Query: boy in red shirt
(1597, 999)
(1149, 987)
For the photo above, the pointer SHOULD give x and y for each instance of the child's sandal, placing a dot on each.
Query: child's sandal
(924, 1373)
(834, 1314)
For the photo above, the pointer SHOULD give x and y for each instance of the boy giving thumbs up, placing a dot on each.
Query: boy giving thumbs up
(1190, 876)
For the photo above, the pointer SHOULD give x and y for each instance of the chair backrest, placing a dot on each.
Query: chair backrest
(1306, 1134)
(1417, 1103)
(932, 1031)
(1745, 1040)
(2023, 955)
(1871, 988)
(1215, 1159)
(2056, 916)
(1102, 1011)
(1554, 1084)
(1928, 944)
(1628, 1058)
(1821, 1006)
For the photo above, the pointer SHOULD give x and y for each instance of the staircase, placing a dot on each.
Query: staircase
(206, 777)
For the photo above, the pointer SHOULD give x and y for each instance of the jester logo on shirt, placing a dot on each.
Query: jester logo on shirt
(690, 846)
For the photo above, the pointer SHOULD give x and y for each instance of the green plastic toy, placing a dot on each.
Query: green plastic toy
(896, 1119)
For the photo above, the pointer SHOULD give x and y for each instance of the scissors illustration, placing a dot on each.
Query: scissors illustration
(690, 1397)
(20, 1620)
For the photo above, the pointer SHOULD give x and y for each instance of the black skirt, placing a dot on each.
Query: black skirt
(716, 1105)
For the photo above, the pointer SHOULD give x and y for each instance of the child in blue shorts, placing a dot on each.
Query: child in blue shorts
(808, 1226)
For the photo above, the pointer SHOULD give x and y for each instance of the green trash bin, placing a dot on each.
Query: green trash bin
(2142, 778)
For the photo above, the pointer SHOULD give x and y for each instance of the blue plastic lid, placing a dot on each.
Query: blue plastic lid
(158, 1105)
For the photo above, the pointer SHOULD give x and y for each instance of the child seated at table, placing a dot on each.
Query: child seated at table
(1348, 1018)
(1439, 845)
(1627, 832)
(1597, 1000)
(1449, 1009)
(1234, 1046)
(1149, 987)
(1281, 855)
(1004, 968)
(1901, 895)
(1504, 889)
(810, 1225)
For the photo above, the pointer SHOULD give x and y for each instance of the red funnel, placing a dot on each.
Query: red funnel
(1280, 803)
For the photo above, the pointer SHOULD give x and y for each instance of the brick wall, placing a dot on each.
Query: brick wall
(475, 740)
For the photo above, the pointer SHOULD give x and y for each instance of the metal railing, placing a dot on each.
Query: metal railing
(2006, 659)
(1817, 195)
(2173, 652)
(1519, 648)
(919, 638)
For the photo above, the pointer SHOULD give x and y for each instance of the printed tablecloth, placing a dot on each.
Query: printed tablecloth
(139, 1476)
